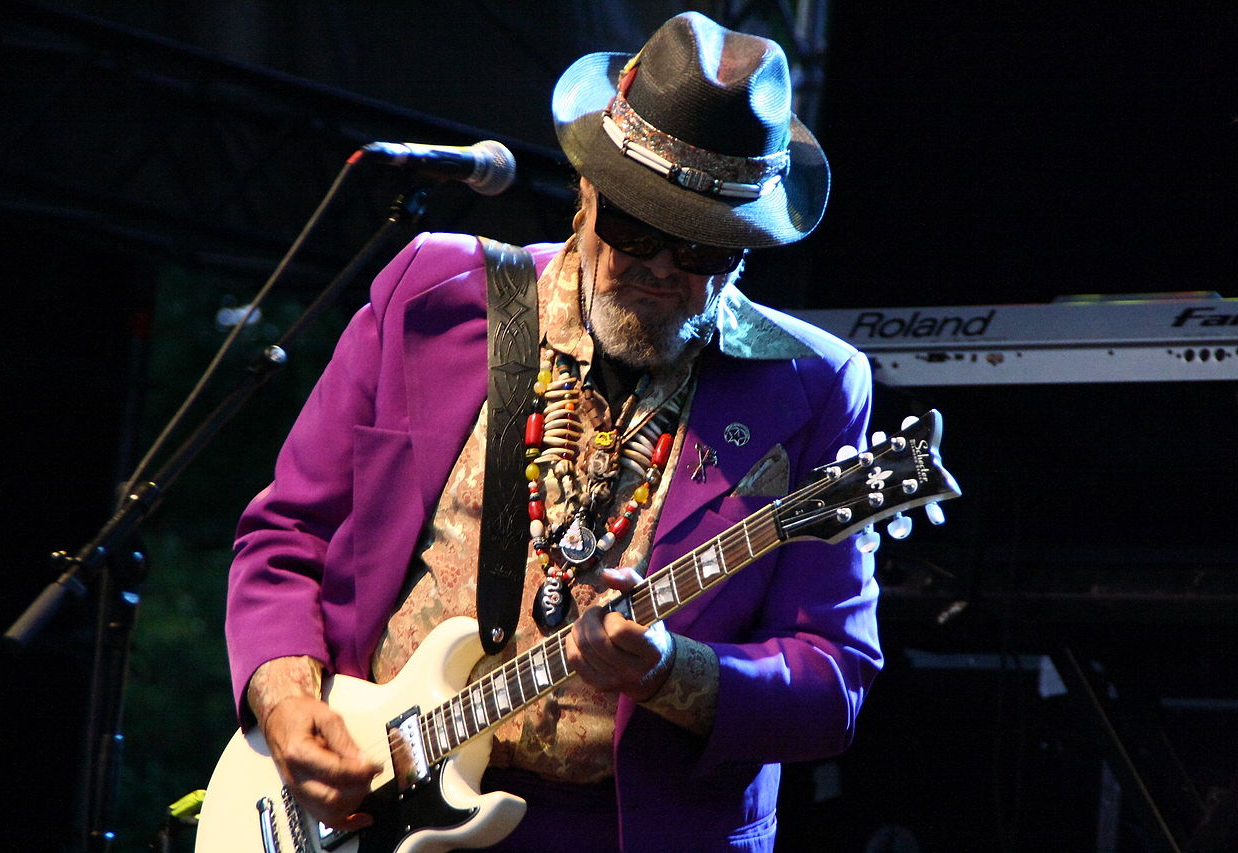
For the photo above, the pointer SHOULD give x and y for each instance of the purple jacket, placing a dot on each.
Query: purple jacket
(322, 552)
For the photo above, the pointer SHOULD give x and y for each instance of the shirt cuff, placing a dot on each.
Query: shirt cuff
(689, 697)
(280, 678)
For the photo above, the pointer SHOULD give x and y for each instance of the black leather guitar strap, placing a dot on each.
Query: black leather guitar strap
(512, 343)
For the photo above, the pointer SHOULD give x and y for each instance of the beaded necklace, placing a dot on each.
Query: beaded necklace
(552, 435)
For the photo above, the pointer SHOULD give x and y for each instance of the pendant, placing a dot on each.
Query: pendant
(578, 544)
(551, 604)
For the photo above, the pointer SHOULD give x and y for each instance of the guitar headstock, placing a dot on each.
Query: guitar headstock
(898, 472)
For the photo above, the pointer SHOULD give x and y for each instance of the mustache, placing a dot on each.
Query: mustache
(639, 276)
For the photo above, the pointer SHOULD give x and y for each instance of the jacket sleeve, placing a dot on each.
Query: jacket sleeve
(791, 688)
(274, 587)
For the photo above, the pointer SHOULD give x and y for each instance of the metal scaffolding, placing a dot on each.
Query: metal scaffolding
(160, 147)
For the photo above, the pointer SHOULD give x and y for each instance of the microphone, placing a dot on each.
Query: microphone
(488, 167)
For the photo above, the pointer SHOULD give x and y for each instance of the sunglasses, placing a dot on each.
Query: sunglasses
(629, 235)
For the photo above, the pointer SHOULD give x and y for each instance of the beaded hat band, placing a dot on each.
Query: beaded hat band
(683, 163)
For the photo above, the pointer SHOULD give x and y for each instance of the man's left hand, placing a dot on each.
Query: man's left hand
(613, 653)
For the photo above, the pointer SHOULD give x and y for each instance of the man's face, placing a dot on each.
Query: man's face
(644, 311)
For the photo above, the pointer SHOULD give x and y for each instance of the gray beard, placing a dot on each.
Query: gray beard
(646, 342)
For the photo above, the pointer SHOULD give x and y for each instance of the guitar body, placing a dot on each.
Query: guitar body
(445, 813)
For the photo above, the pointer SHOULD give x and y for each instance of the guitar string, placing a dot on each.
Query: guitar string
(686, 567)
(521, 667)
(461, 708)
(727, 539)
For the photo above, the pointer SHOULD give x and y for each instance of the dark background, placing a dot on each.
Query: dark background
(158, 160)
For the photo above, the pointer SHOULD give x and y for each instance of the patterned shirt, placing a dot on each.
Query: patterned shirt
(567, 735)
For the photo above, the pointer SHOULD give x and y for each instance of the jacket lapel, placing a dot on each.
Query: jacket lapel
(740, 410)
(767, 399)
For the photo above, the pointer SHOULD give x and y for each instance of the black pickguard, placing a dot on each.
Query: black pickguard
(398, 815)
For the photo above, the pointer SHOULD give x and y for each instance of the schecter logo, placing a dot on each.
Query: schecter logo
(875, 324)
(1204, 317)
(919, 451)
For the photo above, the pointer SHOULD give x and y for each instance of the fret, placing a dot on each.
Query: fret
(493, 712)
(663, 593)
(479, 707)
(711, 563)
(650, 597)
(671, 587)
(461, 718)
(518, 679)
(431, 755)
(621, 605)
(687, 579)
(771, 533)
(641, 605)
(440, 731)
(541, 678)
(501, 700)
(562, 646)
(553, 660)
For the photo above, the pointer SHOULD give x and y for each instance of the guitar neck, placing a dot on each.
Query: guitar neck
(669, 588)
(897, 473)
(500, 693)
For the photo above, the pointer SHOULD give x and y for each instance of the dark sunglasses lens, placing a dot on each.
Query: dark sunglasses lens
(706, 260)
(633, 237)
(628, 235)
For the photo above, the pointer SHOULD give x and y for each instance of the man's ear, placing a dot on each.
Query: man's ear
(587, 201)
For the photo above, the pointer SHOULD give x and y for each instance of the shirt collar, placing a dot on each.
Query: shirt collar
(559, 305)
(747, 330)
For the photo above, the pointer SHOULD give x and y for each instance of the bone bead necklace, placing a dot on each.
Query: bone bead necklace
(552, 438)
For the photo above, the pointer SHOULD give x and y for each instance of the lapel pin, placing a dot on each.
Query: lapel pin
(705, 456)
(737, 434)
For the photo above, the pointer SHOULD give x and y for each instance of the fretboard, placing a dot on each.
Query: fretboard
(500, 693)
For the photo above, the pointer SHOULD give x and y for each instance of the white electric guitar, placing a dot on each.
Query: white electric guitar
(431, 730)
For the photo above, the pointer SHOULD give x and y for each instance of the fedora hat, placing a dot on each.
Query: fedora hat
(695, 136)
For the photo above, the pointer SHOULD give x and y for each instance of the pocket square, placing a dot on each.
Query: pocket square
(769, 477)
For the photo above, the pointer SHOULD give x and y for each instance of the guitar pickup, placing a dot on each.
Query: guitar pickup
(408, 752)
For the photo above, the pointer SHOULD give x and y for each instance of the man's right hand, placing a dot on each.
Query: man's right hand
(318, 759)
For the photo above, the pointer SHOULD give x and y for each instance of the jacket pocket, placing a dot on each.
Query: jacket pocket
(756, 837)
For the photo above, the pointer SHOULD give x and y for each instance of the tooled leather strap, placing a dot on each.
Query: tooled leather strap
(512, 344)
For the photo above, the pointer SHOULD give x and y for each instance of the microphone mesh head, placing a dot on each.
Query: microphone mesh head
(496, 169)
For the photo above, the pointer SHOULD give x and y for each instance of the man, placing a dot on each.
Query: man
(670, 408)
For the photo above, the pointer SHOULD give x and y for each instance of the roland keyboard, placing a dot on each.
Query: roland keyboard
(1168, 339)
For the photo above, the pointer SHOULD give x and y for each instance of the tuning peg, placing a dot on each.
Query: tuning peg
(845, 452)
(868, 541)
(878, 437)
(934, 513)
(899, 526)
(908, 421)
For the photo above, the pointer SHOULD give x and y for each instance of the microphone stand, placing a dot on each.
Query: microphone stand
(117, 570)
